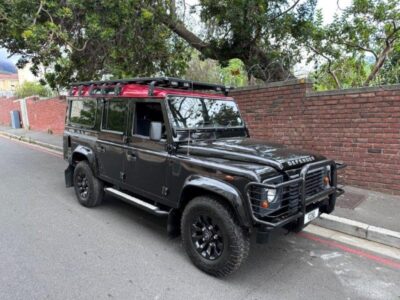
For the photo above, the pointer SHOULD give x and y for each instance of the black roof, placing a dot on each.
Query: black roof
(169, 82)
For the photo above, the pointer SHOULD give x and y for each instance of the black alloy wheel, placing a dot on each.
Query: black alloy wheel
(207, 238)
(83, 185)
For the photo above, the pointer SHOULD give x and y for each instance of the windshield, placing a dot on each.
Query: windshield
(198, 113)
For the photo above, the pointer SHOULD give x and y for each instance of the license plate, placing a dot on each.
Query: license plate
(308, 217)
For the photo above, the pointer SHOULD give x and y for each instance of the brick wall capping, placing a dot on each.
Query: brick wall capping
(367, 89)
(272, 84)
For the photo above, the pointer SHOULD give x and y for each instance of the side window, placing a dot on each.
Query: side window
(145, 113)
(83, 112)
(114, 115)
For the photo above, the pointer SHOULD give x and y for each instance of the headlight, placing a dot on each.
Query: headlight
(270, 198)
(271, 195)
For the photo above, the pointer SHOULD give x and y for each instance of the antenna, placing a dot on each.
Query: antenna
(188, 143)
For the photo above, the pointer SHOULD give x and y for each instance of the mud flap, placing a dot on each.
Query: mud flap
(69, 176)
(262, 235)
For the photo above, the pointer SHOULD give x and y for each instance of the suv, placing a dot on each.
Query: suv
(180, 149)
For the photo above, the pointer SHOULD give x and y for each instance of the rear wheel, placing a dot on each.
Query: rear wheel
(89, 189)
(214, 241)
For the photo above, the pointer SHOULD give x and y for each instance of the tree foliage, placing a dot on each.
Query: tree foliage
(29, 88)
(82, 40)
(209, 70)
(367, 32)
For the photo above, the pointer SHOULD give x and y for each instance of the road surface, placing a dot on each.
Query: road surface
(53, 248)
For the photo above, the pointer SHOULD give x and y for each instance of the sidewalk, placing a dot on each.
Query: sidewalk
(374, 208)
(366, 214)
(51, 141)
(363, 213)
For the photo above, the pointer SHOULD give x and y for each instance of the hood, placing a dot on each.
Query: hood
(251, 151)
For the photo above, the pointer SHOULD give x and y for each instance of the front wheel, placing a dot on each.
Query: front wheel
(214, 241)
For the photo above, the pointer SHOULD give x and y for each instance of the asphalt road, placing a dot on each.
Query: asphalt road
(53, 248)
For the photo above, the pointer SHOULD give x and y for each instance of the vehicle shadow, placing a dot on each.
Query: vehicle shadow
(267, 259)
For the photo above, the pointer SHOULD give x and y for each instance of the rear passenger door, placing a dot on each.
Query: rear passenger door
(110, 144)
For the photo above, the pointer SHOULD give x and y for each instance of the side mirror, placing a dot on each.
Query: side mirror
(155, 131)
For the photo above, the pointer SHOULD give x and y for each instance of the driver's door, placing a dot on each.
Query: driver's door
(146, 161)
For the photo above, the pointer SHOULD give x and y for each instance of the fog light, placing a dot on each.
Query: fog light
(326, 180)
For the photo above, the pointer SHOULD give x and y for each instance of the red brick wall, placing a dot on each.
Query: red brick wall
(48, 114)
(43, 115)
(360, 127)
(6, 105)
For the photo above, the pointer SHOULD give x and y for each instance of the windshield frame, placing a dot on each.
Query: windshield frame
(194, 129)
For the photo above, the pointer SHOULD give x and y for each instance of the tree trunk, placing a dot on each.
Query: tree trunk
(379, 63)
(257, 62)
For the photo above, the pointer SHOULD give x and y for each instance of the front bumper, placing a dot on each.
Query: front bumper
(306, 202)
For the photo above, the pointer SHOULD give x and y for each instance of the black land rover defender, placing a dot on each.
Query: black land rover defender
(180, 149)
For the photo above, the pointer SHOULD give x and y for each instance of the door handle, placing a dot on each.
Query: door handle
(131, 156)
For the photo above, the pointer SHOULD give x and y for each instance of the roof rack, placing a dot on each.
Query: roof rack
(152, 82)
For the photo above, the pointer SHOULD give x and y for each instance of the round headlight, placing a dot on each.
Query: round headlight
(271, 195)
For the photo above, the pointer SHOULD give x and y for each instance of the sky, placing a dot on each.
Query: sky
(330, 7)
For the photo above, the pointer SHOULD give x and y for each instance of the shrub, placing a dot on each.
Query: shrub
(32, 89)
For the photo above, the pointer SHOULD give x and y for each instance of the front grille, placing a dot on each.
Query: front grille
(315, 182)
(291, 197)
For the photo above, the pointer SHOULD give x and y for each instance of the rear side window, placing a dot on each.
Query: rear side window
(114, 115)
(83, 112)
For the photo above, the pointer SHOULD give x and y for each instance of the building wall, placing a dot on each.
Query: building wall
(8, 84)
(360, 127)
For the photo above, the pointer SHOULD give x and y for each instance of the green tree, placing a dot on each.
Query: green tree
(348, 71)
(209, 70)
(81, 40)
(263, 34)
(32, 89)
(366, 31)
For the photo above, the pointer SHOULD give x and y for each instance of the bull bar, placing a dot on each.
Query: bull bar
(332, 191)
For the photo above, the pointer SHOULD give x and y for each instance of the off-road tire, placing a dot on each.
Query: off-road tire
(236, 240)
(95, 187)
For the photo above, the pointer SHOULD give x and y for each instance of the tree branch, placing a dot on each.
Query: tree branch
(284, 12)
(330, 71)
(389, 42)
(361, 48)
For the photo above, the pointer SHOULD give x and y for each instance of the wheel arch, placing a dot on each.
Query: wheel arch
(82, 153)
(199, 185)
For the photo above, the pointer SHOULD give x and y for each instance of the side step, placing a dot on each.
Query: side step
(155, 210)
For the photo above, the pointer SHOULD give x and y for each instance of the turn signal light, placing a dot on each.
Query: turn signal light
(264, 204)
(326, 180)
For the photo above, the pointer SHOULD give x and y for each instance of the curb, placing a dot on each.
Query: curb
(359, 229)
(31, 141)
